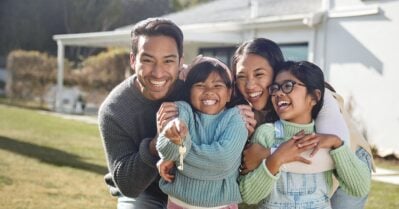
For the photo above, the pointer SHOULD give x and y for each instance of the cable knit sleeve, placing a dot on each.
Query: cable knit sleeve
(353, 174)
(223, 155)
(259, 183)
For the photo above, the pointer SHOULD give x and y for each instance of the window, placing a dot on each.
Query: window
(224, 54)
(294, 52)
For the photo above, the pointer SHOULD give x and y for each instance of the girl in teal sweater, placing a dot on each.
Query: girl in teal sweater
(213, 138)
(296, 97)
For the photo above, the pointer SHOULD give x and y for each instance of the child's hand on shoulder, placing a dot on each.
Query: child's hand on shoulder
(176, 131)
(327, 141)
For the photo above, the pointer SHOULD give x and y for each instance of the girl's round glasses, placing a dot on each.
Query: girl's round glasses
(286, 87)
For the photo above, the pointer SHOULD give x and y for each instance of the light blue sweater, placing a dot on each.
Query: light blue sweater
(214, 145)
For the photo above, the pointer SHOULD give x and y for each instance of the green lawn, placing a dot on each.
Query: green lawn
(49, 162)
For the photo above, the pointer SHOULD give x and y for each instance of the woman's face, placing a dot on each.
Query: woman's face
(254, 74)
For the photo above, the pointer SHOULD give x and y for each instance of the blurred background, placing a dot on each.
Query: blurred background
(60, 58)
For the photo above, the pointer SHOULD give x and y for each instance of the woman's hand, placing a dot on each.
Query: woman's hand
(328, 141)
(166, 112)
(164, 168)
(249, 118)
(176, 131)
(252, 157)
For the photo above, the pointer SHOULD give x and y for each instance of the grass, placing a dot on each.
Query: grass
(49, 162)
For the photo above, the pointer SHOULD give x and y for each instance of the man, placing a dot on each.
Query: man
(127, 117)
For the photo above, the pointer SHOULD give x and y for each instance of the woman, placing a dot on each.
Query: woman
(253, 65)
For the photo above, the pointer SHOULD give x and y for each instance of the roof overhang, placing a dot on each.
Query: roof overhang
(309, 20)
(96, 39)
(219, 32)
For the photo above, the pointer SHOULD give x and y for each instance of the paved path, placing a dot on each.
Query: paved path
(387, 176)
(83, 118)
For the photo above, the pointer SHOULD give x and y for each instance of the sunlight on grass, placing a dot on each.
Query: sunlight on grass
(50, 162)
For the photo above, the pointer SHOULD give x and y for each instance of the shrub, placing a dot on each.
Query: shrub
(104, 71)
(31, 73)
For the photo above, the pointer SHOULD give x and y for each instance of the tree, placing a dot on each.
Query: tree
(30, 25)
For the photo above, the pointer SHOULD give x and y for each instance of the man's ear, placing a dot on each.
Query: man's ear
(132, 61)
(316, 96)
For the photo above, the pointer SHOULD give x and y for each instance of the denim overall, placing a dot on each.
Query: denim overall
(299, 191)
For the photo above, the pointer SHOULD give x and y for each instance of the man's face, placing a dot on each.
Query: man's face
(156, 64)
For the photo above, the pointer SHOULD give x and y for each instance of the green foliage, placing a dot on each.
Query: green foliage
(30, 25)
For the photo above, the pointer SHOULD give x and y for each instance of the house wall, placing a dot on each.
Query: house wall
(361, 55)
(281, 36)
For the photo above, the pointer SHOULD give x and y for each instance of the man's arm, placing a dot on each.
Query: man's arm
(132, 166)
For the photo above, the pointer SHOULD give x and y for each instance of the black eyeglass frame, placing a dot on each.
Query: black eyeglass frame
(285, 90)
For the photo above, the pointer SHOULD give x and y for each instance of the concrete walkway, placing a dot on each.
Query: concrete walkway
(83, 118)
(387, 176)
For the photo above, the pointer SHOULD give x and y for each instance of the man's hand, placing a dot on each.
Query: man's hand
(164, 169)
(166, 112)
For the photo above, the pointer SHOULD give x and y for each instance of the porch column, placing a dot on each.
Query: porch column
(60, 76)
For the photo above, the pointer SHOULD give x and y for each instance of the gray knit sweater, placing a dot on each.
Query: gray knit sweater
(127, 122)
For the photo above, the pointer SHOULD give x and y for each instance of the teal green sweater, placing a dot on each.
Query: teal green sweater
(214, 147)
(352, 174)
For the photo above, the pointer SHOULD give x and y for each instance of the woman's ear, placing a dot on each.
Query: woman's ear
(316, 96)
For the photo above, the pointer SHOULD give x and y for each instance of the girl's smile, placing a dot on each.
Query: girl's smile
(295, 105)
(210, 97)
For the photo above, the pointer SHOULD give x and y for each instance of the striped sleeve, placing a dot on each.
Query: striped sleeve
(353, 175)
(259, 183)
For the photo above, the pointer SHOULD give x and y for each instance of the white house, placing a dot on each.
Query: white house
(353, 41)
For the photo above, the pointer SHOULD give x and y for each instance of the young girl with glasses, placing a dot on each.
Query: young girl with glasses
(296, 96)
(213, 138)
